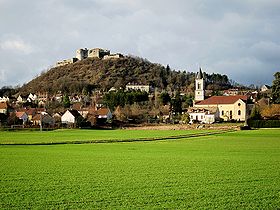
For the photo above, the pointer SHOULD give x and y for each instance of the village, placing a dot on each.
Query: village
(78, 111)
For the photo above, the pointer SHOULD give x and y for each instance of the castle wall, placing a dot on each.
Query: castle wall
(113, 56)
(98, 53)
(82, 54)
(66, 62)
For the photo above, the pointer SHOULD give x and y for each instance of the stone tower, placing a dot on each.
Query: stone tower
(199, 86)
(82, 54)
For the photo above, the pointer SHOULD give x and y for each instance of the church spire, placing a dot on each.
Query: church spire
(199, 74)
(199, 86)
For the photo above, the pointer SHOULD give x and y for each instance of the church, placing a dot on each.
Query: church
(214, 108)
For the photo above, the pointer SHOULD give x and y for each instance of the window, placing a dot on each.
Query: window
(230, 113)
(198, 86)
(222, 112)
(239, 112)
(239, 104)
(201, 117)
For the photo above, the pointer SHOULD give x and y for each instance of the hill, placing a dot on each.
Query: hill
(93, 73)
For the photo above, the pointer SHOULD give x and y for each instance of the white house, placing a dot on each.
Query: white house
(265, 88)
(203, 115)
(20, 99)
(70, 117)
(138, 87)
(32, 97)
(4, 99)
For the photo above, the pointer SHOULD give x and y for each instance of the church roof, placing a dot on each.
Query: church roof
(222, 100)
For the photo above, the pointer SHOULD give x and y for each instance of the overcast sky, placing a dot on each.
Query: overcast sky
(240, 38)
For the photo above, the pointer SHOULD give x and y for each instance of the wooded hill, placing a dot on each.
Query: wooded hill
(93, 73)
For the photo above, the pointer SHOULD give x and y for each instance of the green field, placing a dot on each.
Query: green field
(237, 170)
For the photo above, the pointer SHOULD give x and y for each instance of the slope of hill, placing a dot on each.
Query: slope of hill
(104, 74)
(94, 73)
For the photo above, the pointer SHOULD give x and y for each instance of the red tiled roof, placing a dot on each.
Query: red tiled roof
(222, 100)
(102, 111)
(3, 105)
(19, 114)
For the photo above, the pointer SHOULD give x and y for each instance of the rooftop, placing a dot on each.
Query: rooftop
(222, 100)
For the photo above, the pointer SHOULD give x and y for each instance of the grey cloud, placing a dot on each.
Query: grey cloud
(238, 38)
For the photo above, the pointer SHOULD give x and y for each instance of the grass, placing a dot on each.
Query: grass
(237, 170)
(58, 136)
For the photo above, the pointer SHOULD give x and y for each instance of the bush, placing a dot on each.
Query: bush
(245, 127)
(264, 123)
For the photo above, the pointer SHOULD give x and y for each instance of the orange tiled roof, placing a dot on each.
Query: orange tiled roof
(102, 111)
(222, 100)
(19, 114)
(3, 105)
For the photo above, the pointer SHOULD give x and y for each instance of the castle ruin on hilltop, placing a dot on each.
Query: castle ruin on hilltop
(82, 54)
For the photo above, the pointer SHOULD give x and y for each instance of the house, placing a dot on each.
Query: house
(20, 99)
(31, 112)
(265, 88)
(3, 107)
(57, 117)
(70, 117)
(228, 107)
(32, 98)
(231, 92)
(45, 118)
(4, 99)
(137, 87)
(104, 113)
(203, 115)
(22, 116)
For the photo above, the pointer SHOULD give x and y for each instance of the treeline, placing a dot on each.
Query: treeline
(122, 98)
(217, 82)
(8, 91)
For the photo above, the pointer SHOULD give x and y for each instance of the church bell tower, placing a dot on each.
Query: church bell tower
(199, 86)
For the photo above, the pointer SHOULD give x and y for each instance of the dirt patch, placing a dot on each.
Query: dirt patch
(183, 127)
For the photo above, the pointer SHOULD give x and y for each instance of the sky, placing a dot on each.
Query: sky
(239, 38)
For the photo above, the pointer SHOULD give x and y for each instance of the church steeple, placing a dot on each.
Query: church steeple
(199, 86)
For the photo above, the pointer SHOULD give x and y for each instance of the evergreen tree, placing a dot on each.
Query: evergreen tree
(177, 104)
(255, 115)
(164, 98)
(276, 88)
(66, 101)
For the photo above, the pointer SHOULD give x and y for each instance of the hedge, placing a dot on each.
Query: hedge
(264, 123)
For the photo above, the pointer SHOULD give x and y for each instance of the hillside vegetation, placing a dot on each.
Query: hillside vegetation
(93, 73)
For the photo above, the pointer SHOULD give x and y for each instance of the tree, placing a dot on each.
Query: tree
(164, 98)
(177, 104)
(271, 112)
(255, 115)
(276, 88)
(185, 118)
(66, 101)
